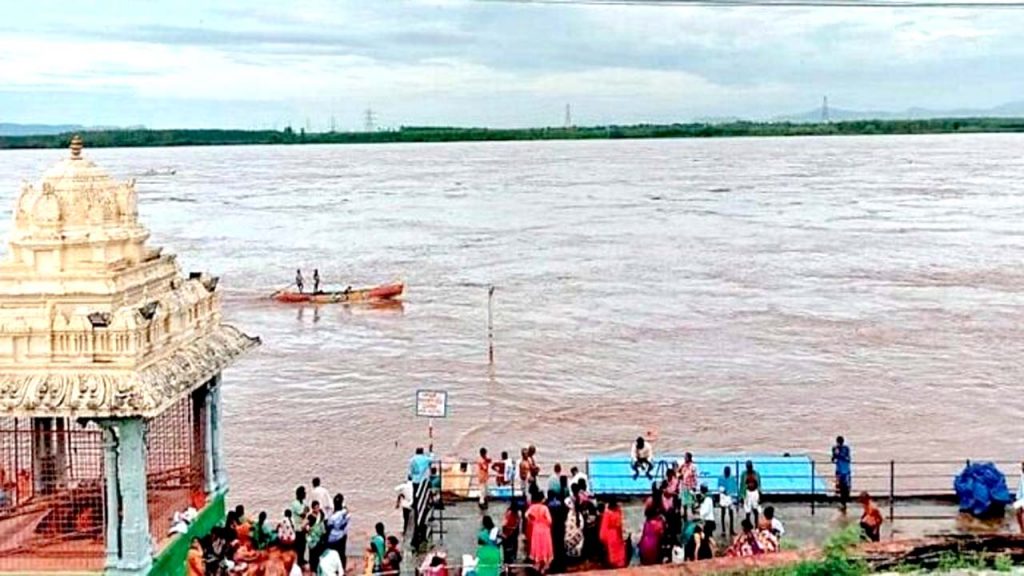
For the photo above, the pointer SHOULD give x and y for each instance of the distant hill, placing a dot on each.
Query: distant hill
(1008, 110)
(7, 129)
(12, 129)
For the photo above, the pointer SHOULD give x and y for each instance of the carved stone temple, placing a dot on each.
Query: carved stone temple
(110, 371)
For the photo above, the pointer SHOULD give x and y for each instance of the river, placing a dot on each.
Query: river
(724, 295)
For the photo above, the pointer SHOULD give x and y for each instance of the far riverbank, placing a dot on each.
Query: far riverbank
(214, 137)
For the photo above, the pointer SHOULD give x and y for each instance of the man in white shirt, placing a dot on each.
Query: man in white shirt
(707, 511)
(330, 564)
(404, 502)
(321, 495)
(774, 524)
(575, 477)
(640, 457)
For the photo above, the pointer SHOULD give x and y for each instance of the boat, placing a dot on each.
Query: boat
(382, 293)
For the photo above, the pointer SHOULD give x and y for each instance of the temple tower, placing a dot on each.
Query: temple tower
(110, 370)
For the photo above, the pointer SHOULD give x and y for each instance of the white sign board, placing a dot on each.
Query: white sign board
(432, 403)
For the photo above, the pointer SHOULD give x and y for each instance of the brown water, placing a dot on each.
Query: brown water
(746, 294)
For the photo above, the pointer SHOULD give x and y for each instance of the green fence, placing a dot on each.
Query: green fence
(171, 560)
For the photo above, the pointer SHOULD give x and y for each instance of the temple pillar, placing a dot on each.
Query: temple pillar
(202, 403)
(136, 544)
(44, 460)
(60, 467)
(215, 413)
(112, 514)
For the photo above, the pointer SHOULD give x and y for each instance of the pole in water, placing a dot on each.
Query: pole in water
(490, 325)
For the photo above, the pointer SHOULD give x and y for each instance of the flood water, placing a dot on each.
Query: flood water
(725, 295)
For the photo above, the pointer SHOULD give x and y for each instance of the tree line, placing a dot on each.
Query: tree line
(209, 137)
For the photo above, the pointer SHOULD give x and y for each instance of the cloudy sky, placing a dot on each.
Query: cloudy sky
(463, 62)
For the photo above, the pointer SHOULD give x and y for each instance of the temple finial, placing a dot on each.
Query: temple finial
(76, 146)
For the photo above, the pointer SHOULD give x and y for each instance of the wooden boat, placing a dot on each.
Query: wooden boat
(382, 293)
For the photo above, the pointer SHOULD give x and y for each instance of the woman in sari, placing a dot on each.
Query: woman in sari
(650, 541)
(573, 526)
(611, 536)
(542, 550)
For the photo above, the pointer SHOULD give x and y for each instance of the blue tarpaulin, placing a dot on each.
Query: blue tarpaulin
(981, 489)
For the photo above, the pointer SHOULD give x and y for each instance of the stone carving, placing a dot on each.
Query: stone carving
(95, 323)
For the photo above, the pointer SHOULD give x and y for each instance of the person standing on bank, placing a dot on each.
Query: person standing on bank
(728, 490)
(323, 496)
(419, 473)
(750, 488)
(316, 281)
(337, 528)
(298, 279)
(842, 460)
(299, 511)
(404, 502)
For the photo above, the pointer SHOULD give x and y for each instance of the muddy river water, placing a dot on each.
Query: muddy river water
(725, 295)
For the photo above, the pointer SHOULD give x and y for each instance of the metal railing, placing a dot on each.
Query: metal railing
(888, 481)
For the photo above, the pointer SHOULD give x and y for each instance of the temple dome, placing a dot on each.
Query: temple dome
(86, 197)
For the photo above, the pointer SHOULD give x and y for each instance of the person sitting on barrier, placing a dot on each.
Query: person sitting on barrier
(640, 457)
(1018, 504)
(727, 492)
(841, 458)
(750, 492)
(870, 519)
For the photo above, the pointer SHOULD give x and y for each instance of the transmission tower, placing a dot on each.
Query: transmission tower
(333, 125)
(368, 119)
(568, 116)
(824, 110)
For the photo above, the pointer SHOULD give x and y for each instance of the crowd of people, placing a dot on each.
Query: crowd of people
(311, 537)
(563, 524)
(554, 528)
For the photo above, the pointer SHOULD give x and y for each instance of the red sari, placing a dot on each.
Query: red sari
(542, 549)
(611, 536)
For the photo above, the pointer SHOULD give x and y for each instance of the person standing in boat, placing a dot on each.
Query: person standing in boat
(298, 279)
(316, 280)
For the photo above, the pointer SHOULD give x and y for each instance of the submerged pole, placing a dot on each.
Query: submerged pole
(490, 325)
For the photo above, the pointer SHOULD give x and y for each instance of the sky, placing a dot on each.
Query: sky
(252, 64)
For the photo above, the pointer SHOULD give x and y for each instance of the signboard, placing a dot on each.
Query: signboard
(432, 403)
